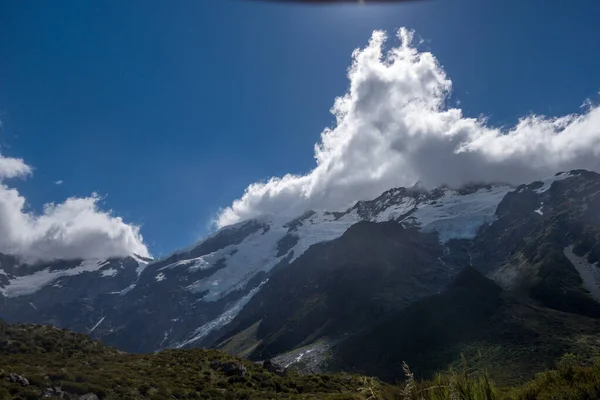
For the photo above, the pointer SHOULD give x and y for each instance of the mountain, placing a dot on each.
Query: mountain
(511, 336)
(301, 289)
(71, 293)
(185, 298)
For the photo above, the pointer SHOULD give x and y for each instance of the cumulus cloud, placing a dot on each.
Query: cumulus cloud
(394, 127)
(59, 182)
(74, 229)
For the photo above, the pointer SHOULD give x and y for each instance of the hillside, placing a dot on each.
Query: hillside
(53, 358)
(43, 362)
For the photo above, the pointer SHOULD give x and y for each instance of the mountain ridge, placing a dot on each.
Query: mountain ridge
(265, 287)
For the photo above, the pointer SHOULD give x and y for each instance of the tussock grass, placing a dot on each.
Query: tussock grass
(49, 357)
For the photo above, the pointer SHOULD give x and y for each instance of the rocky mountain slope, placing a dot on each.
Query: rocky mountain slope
(512, 337)
(268, 286)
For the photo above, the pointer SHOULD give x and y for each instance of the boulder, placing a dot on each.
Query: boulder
(274, 367)
(17, 379)
(89, 396)
(55, 391)
(234, 369)
(229, 368)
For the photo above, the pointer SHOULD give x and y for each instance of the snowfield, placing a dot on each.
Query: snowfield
(28, 284)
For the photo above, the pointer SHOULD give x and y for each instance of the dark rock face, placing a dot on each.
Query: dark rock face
(523, 248)
(473, 317)
(340, 286)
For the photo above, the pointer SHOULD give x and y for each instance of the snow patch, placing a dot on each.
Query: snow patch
(160, 277)
(108, 272)
(547, 182)
(194, 264)
(299, 357)
(126, 290)
(97, 324)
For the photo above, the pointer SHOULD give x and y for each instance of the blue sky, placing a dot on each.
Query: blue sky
(171, 109)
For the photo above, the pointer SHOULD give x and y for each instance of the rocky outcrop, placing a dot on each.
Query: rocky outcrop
(273, 367)
(89, 396)
(229, 368)
(12, 377)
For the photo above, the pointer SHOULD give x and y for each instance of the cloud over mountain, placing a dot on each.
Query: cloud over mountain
(74, 229)
(394, 126)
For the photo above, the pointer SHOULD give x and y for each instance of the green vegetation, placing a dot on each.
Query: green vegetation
(49, 357)
(71, 363)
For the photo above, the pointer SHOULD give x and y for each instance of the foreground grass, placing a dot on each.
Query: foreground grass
(51, 358)
(572, 379)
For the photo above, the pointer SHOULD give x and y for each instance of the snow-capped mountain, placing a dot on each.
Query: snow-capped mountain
(408, 242)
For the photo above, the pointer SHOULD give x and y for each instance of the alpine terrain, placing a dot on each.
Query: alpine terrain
(424, 276)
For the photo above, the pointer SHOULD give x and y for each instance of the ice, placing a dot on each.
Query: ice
(109, 272)
(141, 267)
(456, 216)
(258, 252)
(322, 227)
(97, 324)
(222, 320)
(395, 211)
(194, 264)
(28, 284)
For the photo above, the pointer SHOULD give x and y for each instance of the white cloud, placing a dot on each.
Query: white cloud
(74, 229)
(13, 168)
(394, 126)
(59, 182)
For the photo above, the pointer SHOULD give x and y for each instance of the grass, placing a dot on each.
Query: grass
(50, 357)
